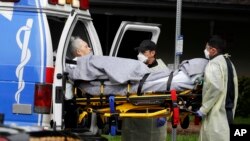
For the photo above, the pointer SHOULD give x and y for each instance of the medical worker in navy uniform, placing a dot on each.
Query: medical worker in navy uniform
(146, 129)
(147, 54)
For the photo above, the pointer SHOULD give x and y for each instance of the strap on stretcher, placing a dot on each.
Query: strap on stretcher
(170, 78)
(113, 118)
(141, 84)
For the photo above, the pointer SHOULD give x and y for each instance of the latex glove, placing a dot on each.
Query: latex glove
(160, 121)
(199, 114)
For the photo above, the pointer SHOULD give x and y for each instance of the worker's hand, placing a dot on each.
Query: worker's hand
(161, 121)
(199, 114)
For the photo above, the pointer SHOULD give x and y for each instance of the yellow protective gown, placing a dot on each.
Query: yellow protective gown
(214, 124)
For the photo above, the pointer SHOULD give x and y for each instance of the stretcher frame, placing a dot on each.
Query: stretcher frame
(169, 104)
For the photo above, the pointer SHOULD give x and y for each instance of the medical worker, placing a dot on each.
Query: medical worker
(146, 129)
(147, 54)
(219, 93)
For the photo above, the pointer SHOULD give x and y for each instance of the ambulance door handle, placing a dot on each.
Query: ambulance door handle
(59, 76)
(64, 80)
(64, 75)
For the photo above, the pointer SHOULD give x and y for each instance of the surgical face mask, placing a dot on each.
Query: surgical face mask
(206, 54)
(142, 57)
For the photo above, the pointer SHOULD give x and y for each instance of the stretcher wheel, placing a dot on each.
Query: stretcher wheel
(185, 122)
(105, 129)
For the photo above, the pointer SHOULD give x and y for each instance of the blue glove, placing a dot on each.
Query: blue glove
(199, 114)
(160, 121)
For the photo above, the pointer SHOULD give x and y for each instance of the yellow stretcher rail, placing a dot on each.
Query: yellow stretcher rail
(150, 104)
(144, 115)
(122, 111)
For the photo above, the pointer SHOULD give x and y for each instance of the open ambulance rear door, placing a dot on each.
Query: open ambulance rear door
(77, 24)
(130, 35)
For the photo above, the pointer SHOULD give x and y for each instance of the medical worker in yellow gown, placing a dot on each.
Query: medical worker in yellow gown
(219, 93)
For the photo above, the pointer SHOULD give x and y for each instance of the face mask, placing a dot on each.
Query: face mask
(206, 54)
(142, 58)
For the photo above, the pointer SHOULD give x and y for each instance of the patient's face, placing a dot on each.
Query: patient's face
(84, 50)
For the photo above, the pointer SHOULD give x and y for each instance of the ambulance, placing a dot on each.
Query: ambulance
(34, 40)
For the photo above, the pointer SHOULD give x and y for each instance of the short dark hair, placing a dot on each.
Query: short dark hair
(146, 45)
(217, 42)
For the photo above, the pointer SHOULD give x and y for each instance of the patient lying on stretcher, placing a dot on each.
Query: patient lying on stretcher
(115, 73)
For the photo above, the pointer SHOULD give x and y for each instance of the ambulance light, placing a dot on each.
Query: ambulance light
(53, 2)
(75, 3)
(43, 97)
(61, 2)
(10, 0)
(81, 4)
(68, 1)
(84, 4)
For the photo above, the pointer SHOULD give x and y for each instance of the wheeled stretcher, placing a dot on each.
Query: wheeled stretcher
(173, 104)
(134, 91)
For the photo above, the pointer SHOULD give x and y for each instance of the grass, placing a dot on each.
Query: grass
(191, 137)
(242, 120)
(112, 138)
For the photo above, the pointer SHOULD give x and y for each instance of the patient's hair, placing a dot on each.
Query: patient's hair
(75, 43)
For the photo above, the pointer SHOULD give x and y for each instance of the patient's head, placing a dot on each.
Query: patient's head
(78, 47)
